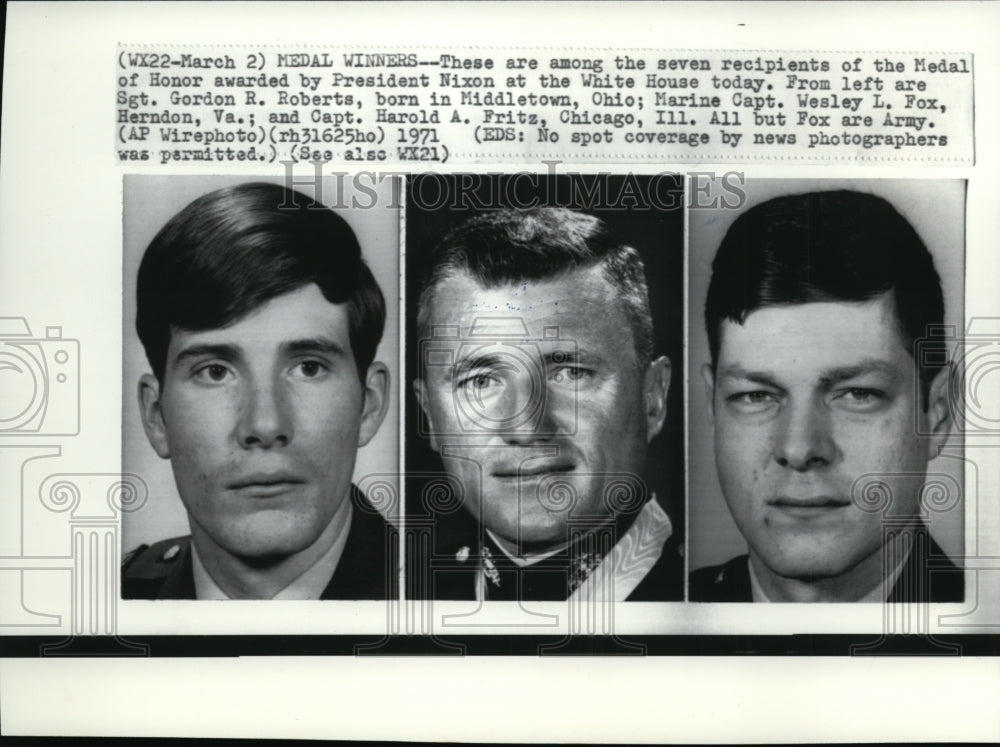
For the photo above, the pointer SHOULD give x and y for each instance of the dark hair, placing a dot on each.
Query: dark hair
(504, 247)
(826, 246)
(232, 250)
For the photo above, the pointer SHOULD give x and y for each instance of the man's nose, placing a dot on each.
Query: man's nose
(532, 412)
(265, 418)
(804, 439)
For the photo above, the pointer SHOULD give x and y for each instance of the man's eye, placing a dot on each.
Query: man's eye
(213, 373)
(571, 374)
(861, 398)
(479, 382)
(310, 369)
(752, 401)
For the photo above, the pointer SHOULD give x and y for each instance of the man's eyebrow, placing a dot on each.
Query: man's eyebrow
(743, 374)
(827, 378)
(862, 368)
(229, 352)
(208, 350)
(473, 362)
(314, 345)
(563, 356)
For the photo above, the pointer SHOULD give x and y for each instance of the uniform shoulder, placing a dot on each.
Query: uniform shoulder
(665, 580)
(729, 582)
(156, 560)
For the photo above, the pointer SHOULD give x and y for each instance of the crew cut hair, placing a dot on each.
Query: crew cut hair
(232, 250)
(506, 247)
(828, 246)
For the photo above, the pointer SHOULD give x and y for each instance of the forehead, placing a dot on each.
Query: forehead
(814, 336)
(580, 304)
(300, 314)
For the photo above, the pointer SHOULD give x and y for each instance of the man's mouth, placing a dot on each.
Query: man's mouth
(808, 506)
(534, 470)
(265, 484)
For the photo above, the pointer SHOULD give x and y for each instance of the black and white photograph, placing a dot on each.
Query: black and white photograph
(261, 340)
(479, 357)
(544, 437)
(823, 318)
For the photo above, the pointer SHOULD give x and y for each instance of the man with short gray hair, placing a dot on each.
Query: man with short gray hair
(540, 391)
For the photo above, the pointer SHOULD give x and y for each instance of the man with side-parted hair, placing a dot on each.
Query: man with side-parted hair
(261, 320)
(540, 391)
(819, 403)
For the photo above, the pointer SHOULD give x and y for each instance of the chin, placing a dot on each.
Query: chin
(805, 566)
(264, 551)
(534, 532)
(267, 545)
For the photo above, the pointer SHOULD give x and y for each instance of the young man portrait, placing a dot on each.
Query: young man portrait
(260, 320)
(827, 389)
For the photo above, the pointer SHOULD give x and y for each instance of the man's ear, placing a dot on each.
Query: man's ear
(939, 410)
(708, 376)
(152, 414)
(376, 401)
(420, 391)
(655, 388)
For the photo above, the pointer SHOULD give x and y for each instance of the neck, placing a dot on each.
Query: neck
(526, 550)
(263, 578)
(531, 550)
(850, 586)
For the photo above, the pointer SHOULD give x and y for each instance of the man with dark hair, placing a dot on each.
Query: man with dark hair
(261, 321)
(540, 391)
(820, 404)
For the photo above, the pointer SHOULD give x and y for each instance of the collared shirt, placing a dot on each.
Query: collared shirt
(630, 560)
(879, 594)
(619, 572)
(308, 585)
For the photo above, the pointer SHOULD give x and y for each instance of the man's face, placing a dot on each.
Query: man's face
(542, 400)
(808, 399)
(261, 421)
